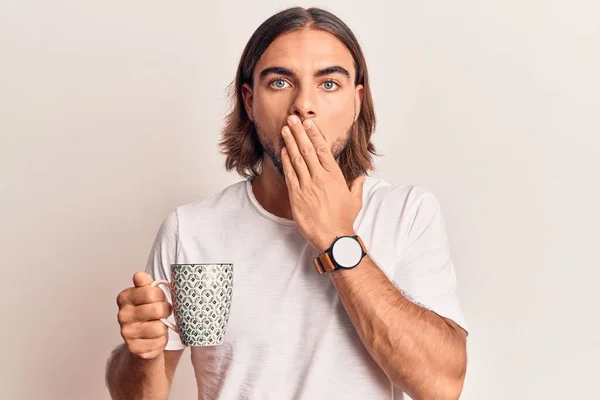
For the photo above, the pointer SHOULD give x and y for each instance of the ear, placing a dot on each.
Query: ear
(247, 97)
(358, 97)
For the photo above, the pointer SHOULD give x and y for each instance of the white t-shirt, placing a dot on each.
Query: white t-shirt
(289, 336)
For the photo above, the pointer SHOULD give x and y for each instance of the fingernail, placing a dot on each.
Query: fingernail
(294, 119)
(307, 123)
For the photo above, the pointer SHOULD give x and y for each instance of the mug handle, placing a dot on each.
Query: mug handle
(164, 320)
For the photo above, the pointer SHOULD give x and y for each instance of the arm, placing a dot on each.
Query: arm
(422, 353)
(141, 369)
(131, 377)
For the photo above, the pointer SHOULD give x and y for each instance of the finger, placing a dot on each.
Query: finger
(289, 173)
(124, 297)
(305, 145)
(322, 149)
(146, 330)
(142, 279)
(153, 330)
(152, 311)
(126, 315)
(131, 314)
(147, 348)
(144, 313)
(146, 295)
(293, 152)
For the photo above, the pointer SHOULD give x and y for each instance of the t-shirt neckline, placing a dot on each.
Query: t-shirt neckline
(262, 211)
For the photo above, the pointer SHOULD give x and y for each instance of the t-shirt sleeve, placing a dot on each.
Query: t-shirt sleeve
(425, 271)
(162, 254)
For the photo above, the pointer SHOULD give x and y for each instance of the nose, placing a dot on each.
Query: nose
(304, 103)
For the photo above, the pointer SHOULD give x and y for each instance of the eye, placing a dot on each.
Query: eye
(278, 83)
(330, 86)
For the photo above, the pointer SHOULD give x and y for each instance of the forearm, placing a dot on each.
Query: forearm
(422, 353)
(129, 377)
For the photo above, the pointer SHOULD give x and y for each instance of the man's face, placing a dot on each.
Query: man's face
(309, 73)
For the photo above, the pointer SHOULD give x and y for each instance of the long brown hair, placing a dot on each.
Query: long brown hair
(239, 141)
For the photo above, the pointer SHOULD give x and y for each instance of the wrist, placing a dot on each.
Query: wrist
(146, 366)
(327, 240)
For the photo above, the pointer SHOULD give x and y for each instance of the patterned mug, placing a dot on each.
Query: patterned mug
(201, 296)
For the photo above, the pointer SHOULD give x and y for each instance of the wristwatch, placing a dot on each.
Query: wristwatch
(346, 252)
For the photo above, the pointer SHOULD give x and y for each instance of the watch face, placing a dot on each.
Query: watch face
(346, 252)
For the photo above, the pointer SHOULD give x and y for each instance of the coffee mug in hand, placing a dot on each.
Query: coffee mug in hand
(201, 295)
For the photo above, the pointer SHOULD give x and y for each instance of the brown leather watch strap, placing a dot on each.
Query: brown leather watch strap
(364, 248)
(323, 263)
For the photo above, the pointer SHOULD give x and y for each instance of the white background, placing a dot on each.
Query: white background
(110, 113)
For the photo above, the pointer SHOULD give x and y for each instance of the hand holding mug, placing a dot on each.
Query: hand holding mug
(141, 309)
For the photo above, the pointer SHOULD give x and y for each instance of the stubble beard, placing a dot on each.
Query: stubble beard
(268, 145)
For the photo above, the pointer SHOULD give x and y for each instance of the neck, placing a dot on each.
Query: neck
(270, 190)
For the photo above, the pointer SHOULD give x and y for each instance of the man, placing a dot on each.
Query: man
(388, 323)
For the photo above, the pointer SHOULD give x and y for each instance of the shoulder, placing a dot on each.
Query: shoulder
(214, 206)
(399, 199)
(230, 196)
(402, 213)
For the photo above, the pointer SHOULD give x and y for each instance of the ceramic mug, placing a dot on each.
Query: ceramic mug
(201, 295)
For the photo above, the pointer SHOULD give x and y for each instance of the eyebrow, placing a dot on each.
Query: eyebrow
(336, 69)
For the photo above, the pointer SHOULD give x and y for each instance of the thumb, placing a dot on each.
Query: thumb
(357, 186)
(142, 279)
